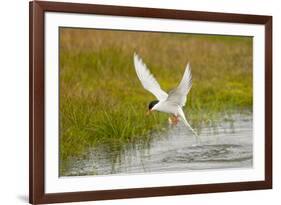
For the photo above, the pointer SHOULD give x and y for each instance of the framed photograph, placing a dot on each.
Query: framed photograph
(138, 102)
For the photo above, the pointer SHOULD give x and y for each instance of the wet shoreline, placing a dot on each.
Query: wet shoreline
(227, 145)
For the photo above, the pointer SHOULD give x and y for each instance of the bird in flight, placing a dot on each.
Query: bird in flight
(171, 102)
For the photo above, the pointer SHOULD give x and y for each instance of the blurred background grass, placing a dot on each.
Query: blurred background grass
(103, 103)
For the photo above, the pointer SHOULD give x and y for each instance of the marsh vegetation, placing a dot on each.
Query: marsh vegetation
(102, 102)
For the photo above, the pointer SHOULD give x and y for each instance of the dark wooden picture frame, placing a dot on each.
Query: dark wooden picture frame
(37, 101)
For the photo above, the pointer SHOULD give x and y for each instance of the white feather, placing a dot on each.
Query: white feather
(178, 95)
(181, 114)
(147, 79)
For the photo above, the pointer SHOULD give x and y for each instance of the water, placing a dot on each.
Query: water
(226, 145)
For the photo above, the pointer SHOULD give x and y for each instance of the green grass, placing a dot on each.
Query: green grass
(103, 103)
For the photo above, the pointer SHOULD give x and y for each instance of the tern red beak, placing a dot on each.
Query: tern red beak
(148, 112)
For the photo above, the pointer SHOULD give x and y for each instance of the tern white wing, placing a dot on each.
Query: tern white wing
(178, 95)
(147, 79)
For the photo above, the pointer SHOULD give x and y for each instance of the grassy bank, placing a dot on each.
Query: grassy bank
(101, 98)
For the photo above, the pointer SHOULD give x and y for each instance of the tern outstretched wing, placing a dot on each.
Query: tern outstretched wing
(147, 79)
(178, 95)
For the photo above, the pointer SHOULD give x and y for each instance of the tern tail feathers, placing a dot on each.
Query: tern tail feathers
(181, 114)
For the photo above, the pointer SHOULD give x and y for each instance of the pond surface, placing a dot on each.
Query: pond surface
(228, 144)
